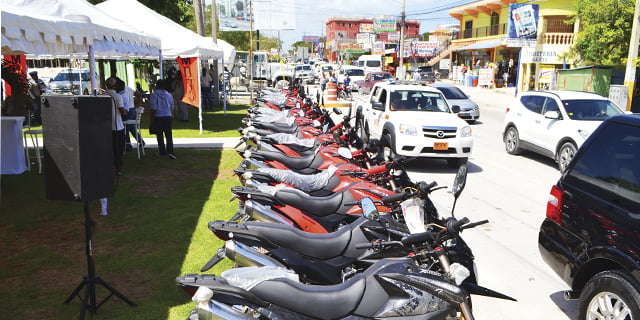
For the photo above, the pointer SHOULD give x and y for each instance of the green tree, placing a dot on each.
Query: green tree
(180, 11)
(605, 33)
(302, 44)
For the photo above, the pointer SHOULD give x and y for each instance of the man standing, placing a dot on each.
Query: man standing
(117, 126)
(161, 104)
(36, 88)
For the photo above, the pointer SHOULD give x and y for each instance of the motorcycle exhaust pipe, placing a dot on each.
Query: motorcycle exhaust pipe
(261, 212)
(214, 310)
(245, 256)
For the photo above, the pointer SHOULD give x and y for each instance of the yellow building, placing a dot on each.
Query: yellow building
(527, 40)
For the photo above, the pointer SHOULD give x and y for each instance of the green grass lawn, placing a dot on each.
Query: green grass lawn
(156, 230)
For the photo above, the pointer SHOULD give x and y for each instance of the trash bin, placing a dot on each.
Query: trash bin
(475, 81)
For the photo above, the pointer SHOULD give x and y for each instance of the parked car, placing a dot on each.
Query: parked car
(590, 234)
(554, 123)
(355, 74)
(426, 73)
(469, 110)
(370, 79)
(230, 24)
(304, 72)
(71, 81)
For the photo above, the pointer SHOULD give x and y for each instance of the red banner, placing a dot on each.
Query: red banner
(18, 62)
(190, 79)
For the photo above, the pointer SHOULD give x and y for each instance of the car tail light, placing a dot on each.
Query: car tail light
(507, 110)
(554, 205)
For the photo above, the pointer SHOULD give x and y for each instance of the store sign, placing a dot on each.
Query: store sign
(365, 28)
(424, 48)
(393, 36)
(535, 55)
(363, 38)
(384, 24)
(378, 47)
(312, 39)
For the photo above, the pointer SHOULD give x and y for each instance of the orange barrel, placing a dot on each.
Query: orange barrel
(332, 91)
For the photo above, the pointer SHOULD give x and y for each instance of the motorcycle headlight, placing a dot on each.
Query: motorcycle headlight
(465, 131)
(408, 129)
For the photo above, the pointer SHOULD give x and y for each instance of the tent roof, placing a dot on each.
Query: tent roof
(176, 39)
(69, 27)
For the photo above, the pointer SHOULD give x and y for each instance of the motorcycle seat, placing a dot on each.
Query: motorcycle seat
(293, 163)
(321, 246)
(318, 206)
(276, 126)
(316, 301)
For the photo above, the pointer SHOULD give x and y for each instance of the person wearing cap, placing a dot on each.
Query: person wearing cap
(36, 88)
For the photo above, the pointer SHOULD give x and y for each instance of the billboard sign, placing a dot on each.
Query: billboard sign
(378, 47)
(363, 38)
(384, 24)
(523, 20)
(424, 48)
(312, 39)
(365, 28)
(393, 36)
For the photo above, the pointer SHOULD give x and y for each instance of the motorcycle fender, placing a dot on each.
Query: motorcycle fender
(303, 221)
(436, 285)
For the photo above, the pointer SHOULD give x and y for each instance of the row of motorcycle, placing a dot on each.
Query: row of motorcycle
(327, 228)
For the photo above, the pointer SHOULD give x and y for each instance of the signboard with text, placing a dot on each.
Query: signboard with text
(365, 28)
(384, 24)
(523, 20)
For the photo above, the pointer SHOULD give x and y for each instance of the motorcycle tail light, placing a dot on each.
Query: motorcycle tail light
(554, 205)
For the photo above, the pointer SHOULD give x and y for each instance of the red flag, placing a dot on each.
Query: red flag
(189, 70)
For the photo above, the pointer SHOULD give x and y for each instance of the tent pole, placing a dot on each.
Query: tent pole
(161, 69)
(198, 90)
(92, 71)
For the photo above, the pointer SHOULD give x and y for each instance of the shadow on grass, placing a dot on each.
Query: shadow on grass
(139, 248)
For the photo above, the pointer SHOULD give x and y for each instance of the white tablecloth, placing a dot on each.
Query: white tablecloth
(12, 159)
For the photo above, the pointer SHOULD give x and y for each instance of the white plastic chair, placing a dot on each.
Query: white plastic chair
(34, 135)
(136, 122)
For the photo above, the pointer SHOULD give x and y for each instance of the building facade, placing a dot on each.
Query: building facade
(521, 41)
(348, 38)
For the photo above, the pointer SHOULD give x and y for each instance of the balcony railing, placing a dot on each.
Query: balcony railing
(557, 38)
(492, 30)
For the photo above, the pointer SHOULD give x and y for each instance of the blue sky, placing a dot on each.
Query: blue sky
(311, 14)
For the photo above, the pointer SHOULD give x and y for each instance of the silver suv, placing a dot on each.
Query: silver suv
(71, 81)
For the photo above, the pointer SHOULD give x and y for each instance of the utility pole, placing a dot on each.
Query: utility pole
(197, 4)
(214, 37)
(630, 72)
(400, 71)
(250, 58)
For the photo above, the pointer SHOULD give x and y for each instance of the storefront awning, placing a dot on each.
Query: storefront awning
(482, 45)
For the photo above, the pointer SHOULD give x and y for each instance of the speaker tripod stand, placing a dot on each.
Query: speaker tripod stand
(90, 281)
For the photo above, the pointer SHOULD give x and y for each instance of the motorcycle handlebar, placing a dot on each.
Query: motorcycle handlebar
(377, 169)
(455, 225)
(397, 197)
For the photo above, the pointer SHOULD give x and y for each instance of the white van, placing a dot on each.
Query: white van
(370, 62)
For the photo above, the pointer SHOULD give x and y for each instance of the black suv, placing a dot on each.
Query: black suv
(591, 234)
(426, 73)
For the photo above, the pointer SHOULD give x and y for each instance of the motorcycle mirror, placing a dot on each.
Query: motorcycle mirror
(345, 153)
(458, 184)
(369, 209)
(325, 128)
(337, 111)
(460, 181)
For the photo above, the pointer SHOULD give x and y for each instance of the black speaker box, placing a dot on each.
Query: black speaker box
(78, 154)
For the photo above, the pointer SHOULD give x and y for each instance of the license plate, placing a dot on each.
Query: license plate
(440, 145)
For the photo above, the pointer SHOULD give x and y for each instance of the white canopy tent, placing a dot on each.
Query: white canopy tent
(70, 28)
(177, 41)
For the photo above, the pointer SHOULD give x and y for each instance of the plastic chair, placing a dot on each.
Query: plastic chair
(34, 135)
(136, 122)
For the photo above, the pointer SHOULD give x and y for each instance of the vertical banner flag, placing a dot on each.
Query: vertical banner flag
(19, 64)
(189, 70)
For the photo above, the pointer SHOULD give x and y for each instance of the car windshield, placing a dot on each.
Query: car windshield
(380, 76)
(67, 76)
(452, 93)
(410, 100)
(373, 63)
(354, 72)
(589, 110)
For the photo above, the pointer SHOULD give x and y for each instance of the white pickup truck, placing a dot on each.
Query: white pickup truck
(415, 121)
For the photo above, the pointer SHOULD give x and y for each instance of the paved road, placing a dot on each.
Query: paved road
(511, 192)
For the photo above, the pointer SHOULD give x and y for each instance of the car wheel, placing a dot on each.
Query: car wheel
(512, 141)
(566, 153)
(388, 152)
(610, 295)
(456, 162)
